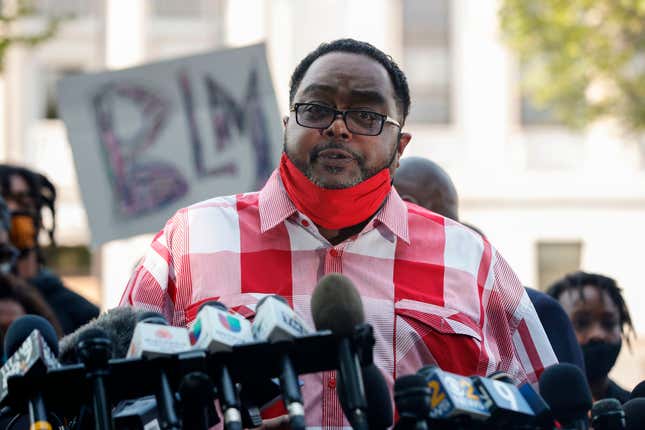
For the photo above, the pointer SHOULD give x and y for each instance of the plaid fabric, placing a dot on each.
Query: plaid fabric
(434, 291)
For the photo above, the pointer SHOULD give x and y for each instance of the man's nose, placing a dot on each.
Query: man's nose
(338, 129)
(596, 332)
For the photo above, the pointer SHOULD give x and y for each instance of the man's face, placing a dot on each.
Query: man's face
(594, 316)
(18, 197)
(335, 157)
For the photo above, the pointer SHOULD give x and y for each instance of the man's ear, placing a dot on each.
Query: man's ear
(285, 121)
(404, 139)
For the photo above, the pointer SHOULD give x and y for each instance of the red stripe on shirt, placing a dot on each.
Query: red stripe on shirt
(531, 350)
(265, 259)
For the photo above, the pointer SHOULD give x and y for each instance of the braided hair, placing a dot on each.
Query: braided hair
(578, 280)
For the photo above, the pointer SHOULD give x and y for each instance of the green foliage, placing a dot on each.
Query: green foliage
(8, 21)
(581, 58)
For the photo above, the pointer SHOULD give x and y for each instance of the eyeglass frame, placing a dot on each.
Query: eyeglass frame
(385, 119)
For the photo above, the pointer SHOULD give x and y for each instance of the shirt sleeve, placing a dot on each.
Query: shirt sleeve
(530, 349)
(152, 285)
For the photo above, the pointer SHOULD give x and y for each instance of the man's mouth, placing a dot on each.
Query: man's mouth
(334, 154)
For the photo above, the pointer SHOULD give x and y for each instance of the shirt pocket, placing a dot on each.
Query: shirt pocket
(432, 334)
(242, 303)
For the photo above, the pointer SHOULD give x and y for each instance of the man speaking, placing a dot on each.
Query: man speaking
(435, 292)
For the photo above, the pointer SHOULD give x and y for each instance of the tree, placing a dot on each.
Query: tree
(11, 16)
(583, 59)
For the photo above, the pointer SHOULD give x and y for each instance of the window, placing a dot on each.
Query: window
(177, 9)
(426, 59)
(556, 259)
(75, 8)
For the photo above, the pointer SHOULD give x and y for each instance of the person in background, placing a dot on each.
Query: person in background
(601, 320)
(425, 183)
(17, 298)
(27, 195)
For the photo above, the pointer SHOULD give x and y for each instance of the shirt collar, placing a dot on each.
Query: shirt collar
(275, 207)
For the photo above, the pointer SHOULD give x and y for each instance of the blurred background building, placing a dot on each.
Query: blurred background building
(552, 200)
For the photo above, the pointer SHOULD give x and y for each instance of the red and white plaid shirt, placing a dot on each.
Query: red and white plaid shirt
(434, 291)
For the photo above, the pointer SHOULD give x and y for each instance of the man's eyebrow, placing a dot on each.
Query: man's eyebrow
(318, 88)
(370, 96)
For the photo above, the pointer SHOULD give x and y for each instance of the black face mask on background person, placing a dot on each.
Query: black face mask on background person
(600, 357)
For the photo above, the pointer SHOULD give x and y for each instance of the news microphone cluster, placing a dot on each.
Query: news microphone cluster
(175, 366)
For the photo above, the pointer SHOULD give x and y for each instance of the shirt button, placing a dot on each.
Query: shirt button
(305, 223)
(333, 252)
(331, 383)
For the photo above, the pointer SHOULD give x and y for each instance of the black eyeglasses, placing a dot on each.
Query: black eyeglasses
(358, 121)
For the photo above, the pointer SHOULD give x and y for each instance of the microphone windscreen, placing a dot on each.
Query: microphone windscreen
(503, 377)
(638, 391)
(565, 390)
(215, 304)
(117, 323)
(92, 333)
(152, 317)
(336, 305)
(21, 328)
(635, 414)
(605, 406)
(379, 402)
(411, 395)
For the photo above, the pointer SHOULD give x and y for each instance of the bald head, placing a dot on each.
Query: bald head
(423, 182)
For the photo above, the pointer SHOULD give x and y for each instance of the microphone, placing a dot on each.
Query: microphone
(634, 414)
(377, 394)
(118, 324)
(275, 321)
(638, 391)
(337, 306)
(505, 403)
(607, 414)
(217, 330)
(94, 349)
(32, 345)
(156, 341)
(543, 415)
(196, 392)
(453, 397)
(565, 390)
(412, 397)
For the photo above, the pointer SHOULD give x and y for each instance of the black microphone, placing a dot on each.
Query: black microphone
(635, 414)
(379, 402)
(337, 306)
(607, 414)
(565, 389)
(94, 349)
(638, 391)
(32, 345)
(412, 398)
(196, 392)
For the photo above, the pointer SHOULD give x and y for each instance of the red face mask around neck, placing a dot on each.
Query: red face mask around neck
(334, 208)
